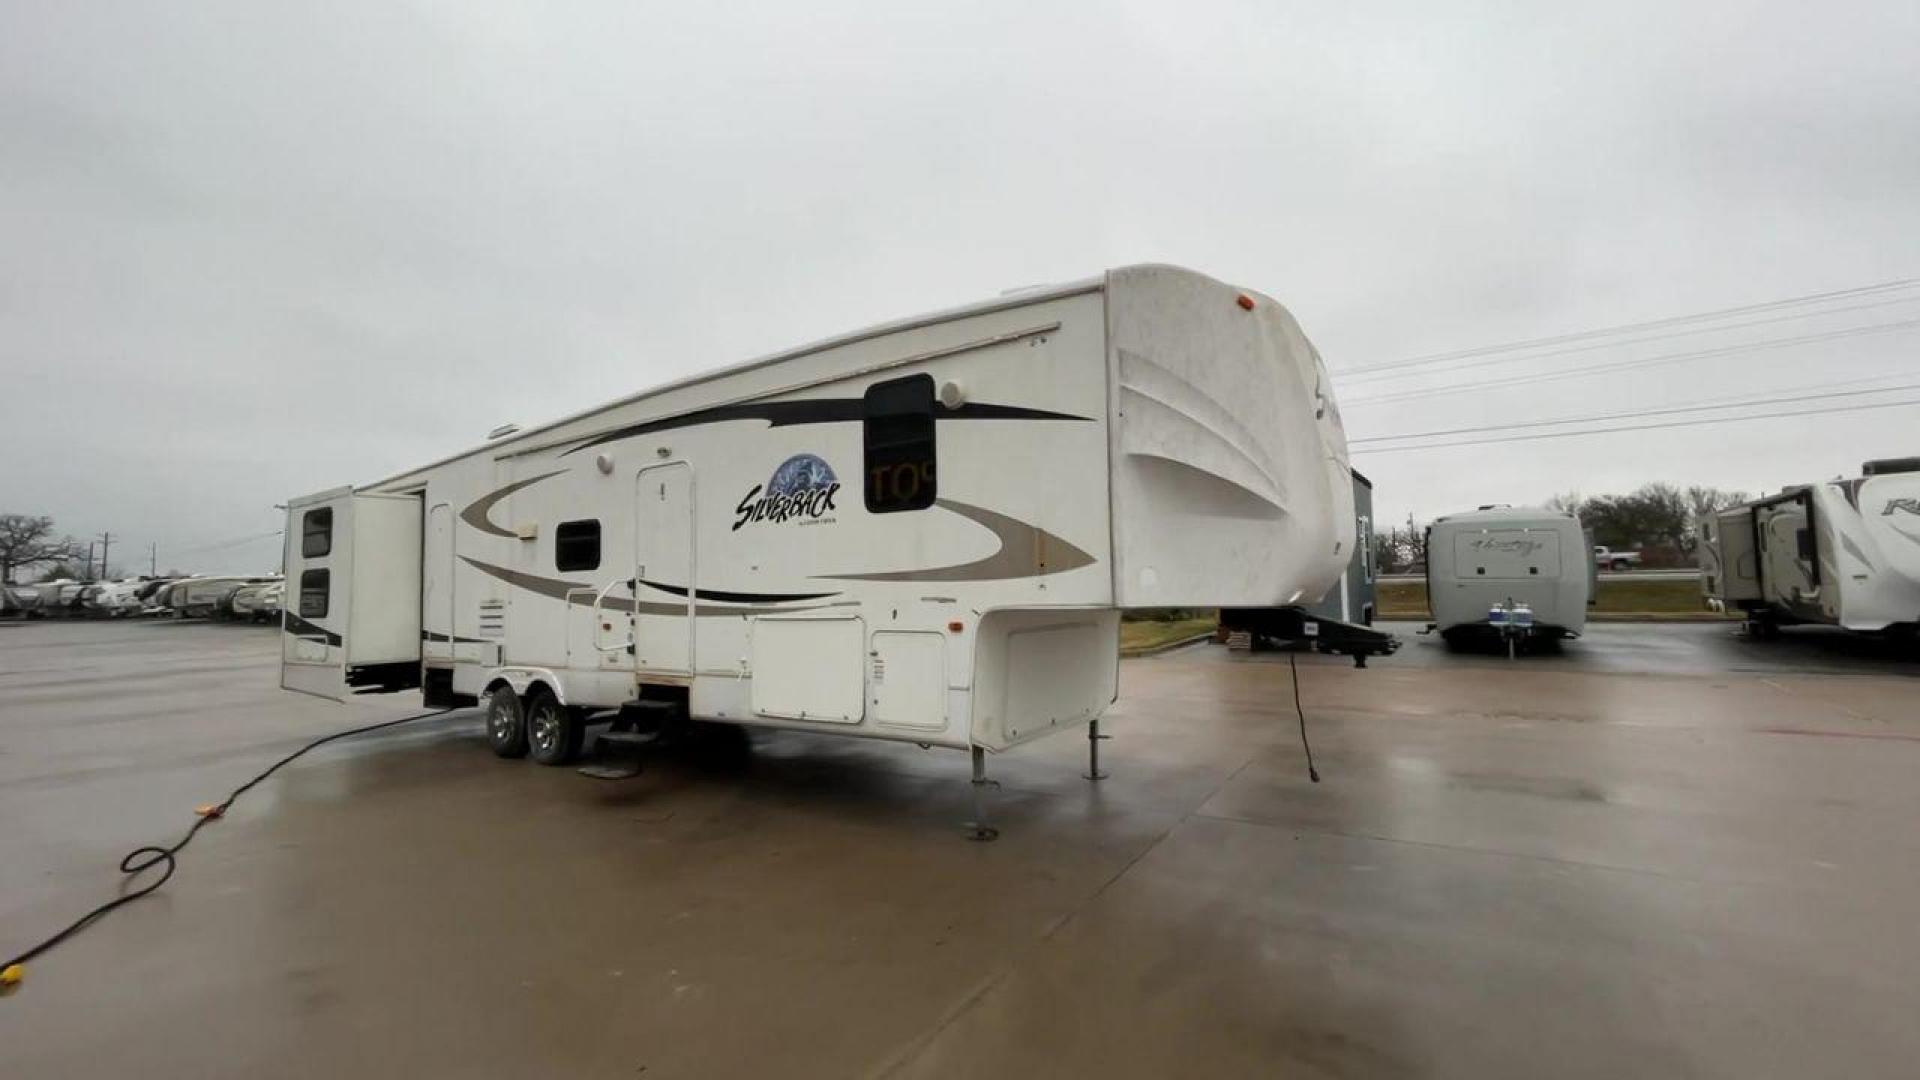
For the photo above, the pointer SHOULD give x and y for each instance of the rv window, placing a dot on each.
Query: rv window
(900, 468)
(316, 533)
(576, 545)
(314, 587)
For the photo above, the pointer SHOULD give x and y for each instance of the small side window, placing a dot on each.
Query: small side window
(901, 472)
(316, 533)
(1366, 549)
(576, 545)
(315, 585)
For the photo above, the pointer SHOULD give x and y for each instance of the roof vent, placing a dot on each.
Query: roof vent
(1891, 465)
(502, 431)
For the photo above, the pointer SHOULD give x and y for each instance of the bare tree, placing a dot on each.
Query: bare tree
(1416, 544)
(1706, 500)
(1568, 502)
(26, 540)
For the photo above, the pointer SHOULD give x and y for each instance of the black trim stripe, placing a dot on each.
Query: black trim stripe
(299, 627)
(564, 590)
(737, 597)
(812, 411)
(434, 635)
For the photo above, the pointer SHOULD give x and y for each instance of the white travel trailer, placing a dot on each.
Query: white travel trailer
(1503, 557)
(198, 597)
(1843, 553)
(924, 531)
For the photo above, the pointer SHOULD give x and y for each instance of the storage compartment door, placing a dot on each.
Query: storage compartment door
(809, 669)
(907, 679)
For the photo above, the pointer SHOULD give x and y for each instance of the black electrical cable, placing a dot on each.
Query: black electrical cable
(146, 857)
(1294, 670)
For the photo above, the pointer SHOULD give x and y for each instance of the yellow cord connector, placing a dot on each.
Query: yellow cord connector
(10, 977)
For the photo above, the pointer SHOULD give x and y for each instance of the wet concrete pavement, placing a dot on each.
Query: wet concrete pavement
(1684, 648)
(1571, 866)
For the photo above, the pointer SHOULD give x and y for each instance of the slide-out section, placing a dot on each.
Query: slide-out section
(352, 614)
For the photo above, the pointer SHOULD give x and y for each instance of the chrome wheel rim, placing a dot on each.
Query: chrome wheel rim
(544, 728)
(500, 719)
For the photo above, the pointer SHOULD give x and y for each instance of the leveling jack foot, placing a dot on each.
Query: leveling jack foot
(978, 829)
(1094, 739)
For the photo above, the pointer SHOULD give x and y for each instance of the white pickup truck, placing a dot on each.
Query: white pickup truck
(1609, 559)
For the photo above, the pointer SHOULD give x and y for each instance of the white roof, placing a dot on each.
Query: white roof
(1506, 515)
(1012, 298)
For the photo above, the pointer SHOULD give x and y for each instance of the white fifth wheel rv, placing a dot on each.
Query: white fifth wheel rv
(924, 531)
(1843, 553)
(1489, 565)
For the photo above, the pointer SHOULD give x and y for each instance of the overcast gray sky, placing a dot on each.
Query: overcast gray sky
(250, 250)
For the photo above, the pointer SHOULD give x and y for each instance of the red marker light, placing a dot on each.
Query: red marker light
(954, 627)
(1245, 302)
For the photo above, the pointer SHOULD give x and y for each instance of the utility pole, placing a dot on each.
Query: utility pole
(106, 542)
(153, 558)
(88, 575)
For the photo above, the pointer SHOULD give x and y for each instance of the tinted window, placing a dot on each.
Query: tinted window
(576, 545)
(316, 533)
(314, 587)
(900, 466)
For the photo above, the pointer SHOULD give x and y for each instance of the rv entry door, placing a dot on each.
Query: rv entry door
(351, 618)
(663, 572)
(436, 615)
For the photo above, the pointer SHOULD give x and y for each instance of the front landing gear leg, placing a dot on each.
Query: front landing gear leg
(978, 829)
(1093, 752)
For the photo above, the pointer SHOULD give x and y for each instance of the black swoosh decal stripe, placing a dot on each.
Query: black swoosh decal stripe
(299, 627)
(1025, 551)
(435, 635)
(738, 597)
(476, 513)
(812, 411)
(559, 589)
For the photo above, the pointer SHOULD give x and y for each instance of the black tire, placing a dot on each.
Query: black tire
(506, 723)
(1620, 566)
(554, 732)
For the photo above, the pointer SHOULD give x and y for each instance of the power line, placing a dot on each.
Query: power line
(1654, 339)
(1635, 414)
(1628, 365)
(1625, 328)
(222, 544)
(1639, 427)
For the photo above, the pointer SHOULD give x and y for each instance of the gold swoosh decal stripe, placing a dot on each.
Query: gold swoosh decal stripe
(570, 591)
(476, 513)
(1025, 551)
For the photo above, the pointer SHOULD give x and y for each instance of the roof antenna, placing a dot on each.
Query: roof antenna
(1294, 670)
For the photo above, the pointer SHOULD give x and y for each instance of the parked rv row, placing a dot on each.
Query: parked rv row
(1843, 552)
(246, 599)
